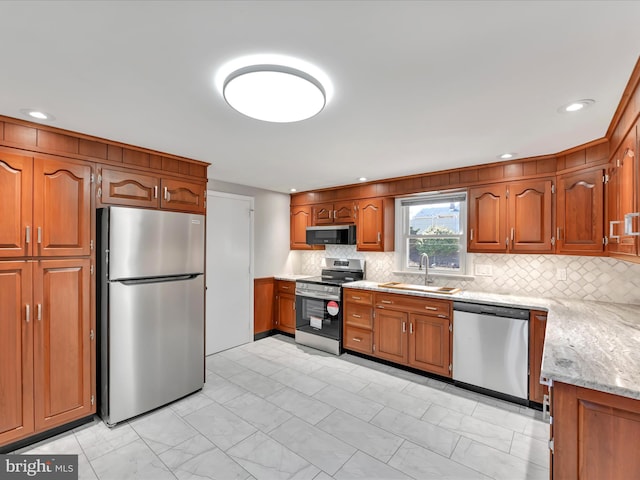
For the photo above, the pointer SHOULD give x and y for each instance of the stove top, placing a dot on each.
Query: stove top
(340, 271)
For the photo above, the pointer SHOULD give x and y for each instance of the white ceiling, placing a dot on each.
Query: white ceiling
(419, 85)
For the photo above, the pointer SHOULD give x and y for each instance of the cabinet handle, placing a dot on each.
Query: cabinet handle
(386, 301)
(39, 235)
(28, 234)
(356, 316)
(440, 315)
(611, 235)
(433, 309)
(513, 231)
(27, 313)
(628, 224)
(356, 339)
(155, 191)
(404, 327)
(284, 287)
(39, 312)
(379, 235)
(471, 238)
(335, 214)
(558, 231)
(355, 298)
(411, 328)
(166, 194)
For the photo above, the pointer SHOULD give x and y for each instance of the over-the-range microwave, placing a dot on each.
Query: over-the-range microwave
(332, 235)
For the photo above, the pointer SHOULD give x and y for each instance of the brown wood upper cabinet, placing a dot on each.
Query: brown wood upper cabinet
(125, 187)
(45, 348)
(301, 218)
(512, 218)
(622, 187)
(375, 225)
(580, 213)
(334, 213)
(45, 206)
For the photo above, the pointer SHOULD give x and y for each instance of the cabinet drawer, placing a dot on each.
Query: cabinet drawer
(285, 286)
(426, 306)
(358, 315)
(358, 296)
(358, 339)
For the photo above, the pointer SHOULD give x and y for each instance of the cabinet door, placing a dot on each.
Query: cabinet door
(620, 197)
(286, 312)
(429, 344)
(61, 208)
(369, 229)
(487, 219)
(530, 216)
(344, 212)
(127, 188)
(300, 220)
(15, 205)
(390, 335)
(183, 196)
(62, 343)
(537, 329)
(16, 352)
(580, 211)
(323, 214)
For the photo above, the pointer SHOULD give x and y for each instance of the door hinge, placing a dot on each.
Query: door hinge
(450, 367)
(99, 178)
(551, 444)
(90, 244)
(93, 178)
(93, 399)
(91, 335)
(605, 179)
(374, 347)
(99, 192)
(507, 195)
(91, 269)
(553, 188)
(553, 240)
(450, 328)
(605, 240)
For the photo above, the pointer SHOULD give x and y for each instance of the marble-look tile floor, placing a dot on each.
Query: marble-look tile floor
(272, 409)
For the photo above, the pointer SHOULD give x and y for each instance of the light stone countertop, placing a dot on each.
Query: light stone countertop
(589, 344)
(290, 277)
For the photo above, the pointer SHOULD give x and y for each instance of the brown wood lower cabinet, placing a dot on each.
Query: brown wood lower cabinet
(263, 304)
(404, 329)
(595, 434)
(285, 311)
(46, 346)
(537, 329)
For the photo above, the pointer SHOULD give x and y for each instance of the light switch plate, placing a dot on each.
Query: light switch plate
(483, 270)
(561, 274)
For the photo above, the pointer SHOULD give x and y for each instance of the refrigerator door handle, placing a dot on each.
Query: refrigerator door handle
(175, 278)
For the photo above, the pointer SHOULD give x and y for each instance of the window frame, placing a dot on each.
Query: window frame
(403, 222)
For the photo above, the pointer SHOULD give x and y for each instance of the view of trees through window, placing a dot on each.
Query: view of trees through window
(435, 229)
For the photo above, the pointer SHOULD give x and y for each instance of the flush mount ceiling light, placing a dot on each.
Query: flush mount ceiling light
(362, 179)
(506, 156)
(576, 106)
(37, 114)
(274, 93)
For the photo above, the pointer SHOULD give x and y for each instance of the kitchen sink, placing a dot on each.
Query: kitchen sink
(419, 288)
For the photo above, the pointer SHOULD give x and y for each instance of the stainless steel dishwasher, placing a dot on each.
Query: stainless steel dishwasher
(491, 348)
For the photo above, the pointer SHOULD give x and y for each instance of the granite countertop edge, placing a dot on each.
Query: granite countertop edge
(589, 344)
(290, 276)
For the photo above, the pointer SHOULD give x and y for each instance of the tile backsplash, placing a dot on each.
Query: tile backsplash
(560, 276)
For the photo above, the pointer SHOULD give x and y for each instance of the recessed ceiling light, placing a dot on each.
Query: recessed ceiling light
(293, 190)
(362, 179)
(576, 106)
(506, 156)
(37, 114)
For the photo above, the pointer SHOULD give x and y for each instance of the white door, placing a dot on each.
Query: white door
(229, 309)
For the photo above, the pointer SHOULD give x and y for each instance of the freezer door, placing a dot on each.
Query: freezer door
(152, 243)
(155, 345)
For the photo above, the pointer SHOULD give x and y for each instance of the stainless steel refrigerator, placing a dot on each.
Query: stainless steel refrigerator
(151, 309)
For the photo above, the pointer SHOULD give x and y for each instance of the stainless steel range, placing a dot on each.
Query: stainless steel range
(319, 304)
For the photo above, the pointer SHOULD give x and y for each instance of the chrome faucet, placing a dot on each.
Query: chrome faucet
(426, 268)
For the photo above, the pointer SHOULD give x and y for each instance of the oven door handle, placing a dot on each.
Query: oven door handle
(318, 296)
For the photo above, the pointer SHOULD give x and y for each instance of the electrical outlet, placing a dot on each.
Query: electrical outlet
(561, 274)
(483, 270)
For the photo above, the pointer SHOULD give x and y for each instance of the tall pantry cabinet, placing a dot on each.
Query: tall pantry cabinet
(47, 343)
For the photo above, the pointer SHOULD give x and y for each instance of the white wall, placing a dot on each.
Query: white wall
(271, 227)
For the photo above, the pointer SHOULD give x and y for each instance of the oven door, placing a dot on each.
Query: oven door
(319, 315)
